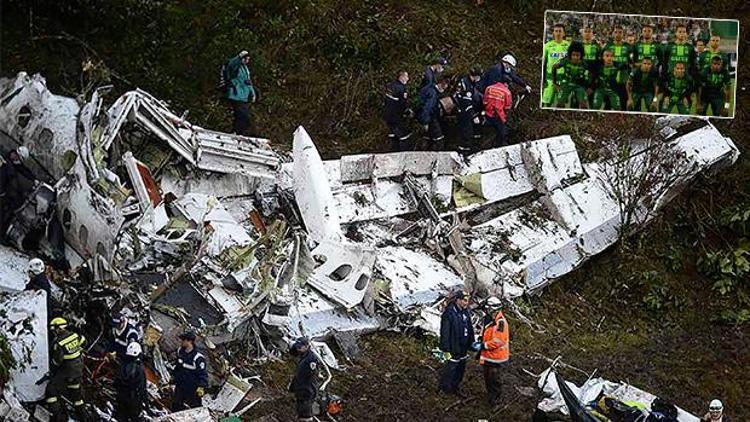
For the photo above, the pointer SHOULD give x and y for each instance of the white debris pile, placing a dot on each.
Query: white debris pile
(591, 393)
(202, 229)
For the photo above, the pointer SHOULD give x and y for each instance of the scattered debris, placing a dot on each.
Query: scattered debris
(189, 227)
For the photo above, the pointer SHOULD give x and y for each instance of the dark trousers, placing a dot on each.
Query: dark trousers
(66, 381)
(185, 399)
(398, 135)
(492, 381)
(469, 132)
(500, 131)
(452, 375)
(241, 113)
(435, 132)
(128, 409)
(304, 408)
(716, 103)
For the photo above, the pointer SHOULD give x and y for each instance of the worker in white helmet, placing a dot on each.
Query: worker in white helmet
(38, 280)
(505, 72)
(715, 412)
(130, 385)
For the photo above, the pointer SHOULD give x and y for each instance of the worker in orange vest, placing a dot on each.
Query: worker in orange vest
(497, 102)
(494, 351)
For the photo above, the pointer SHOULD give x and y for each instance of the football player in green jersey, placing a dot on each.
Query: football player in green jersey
(678, 90)
(704, 58)
(574, 79)
(554, 51)
(606, 81)
(591, 54)
(643, 86)
(647, 47)
(679, 51)
(715, 89)
(621, 58)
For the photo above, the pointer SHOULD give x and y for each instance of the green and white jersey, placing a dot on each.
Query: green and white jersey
(704, 59)
(678, 88)
(675, 53)
(572, 74)
(714, 84)
(608, 77)
(647, 49)
(553, 53)
(591, 54)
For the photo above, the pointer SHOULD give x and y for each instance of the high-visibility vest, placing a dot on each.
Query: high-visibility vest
(72, 346)
(495, 341)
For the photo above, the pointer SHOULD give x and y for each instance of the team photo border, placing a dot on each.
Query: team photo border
(656, 113)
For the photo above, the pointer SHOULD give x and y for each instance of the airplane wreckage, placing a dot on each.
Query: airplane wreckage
(178, 225)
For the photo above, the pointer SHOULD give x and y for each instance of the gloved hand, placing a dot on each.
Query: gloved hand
(200, 392)
(476, 120)
(528, 89)
(476, 346)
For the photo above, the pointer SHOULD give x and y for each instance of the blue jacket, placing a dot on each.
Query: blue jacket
(120, 341)
(468, 97)
(396, 101)
(430, 99)
(305, 382)
(429, 77)
(497, 73)
(456, 331)
(240, 86)
(190, 370)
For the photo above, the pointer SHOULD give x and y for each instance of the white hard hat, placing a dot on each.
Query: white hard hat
(134, 349)
(716, 405)
(23, 152)
(494, 301)
(36, 266)
(510, 59)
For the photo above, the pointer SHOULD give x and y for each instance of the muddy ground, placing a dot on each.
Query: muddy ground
(322, 64)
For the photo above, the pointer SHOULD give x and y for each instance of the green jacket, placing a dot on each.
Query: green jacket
(240, 86)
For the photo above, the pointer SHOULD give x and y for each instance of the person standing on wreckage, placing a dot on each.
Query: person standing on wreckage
(456, 338)
(240, 91)
(130, 385)
(304, 385)
(190, 375)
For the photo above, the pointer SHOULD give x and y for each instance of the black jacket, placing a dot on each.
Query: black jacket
(456, 331)
(430, 104)
(190, 370)
(130, 382)
(395, 101)
(497, 73)
(305, 382)
(468, 97)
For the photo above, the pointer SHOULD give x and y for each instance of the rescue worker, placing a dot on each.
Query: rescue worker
(497, 101)
(66, 370)
(190, 375)
(469, 101)
(38, 280)
(494, 352)
(304, 385)
(12, 194)
(456, 337)
(715, 412)
(240, 91)
(130, 384)
(429, 114)
(396, 110)
(433, 72)
(504, 71)
(123, 333)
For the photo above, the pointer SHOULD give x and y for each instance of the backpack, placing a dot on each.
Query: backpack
(224, 79)
(662, 411)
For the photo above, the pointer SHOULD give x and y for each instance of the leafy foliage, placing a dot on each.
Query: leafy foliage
(7, 362)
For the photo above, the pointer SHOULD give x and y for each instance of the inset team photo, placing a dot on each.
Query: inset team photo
(639, 64)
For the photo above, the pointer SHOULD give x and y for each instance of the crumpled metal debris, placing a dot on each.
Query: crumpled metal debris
(214, 231)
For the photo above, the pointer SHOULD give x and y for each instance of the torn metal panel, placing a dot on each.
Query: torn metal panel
(13, 265)
(319, 317)
(503, 173)
(552, 163)
(345, 273)
(25, 326)
(133, 167)
(313, 191)
(215, 184)
(355, 168)
(224, 153)
(201, 414)
(11, 408)
(230, 396)
(415, 277)
(45, 123)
